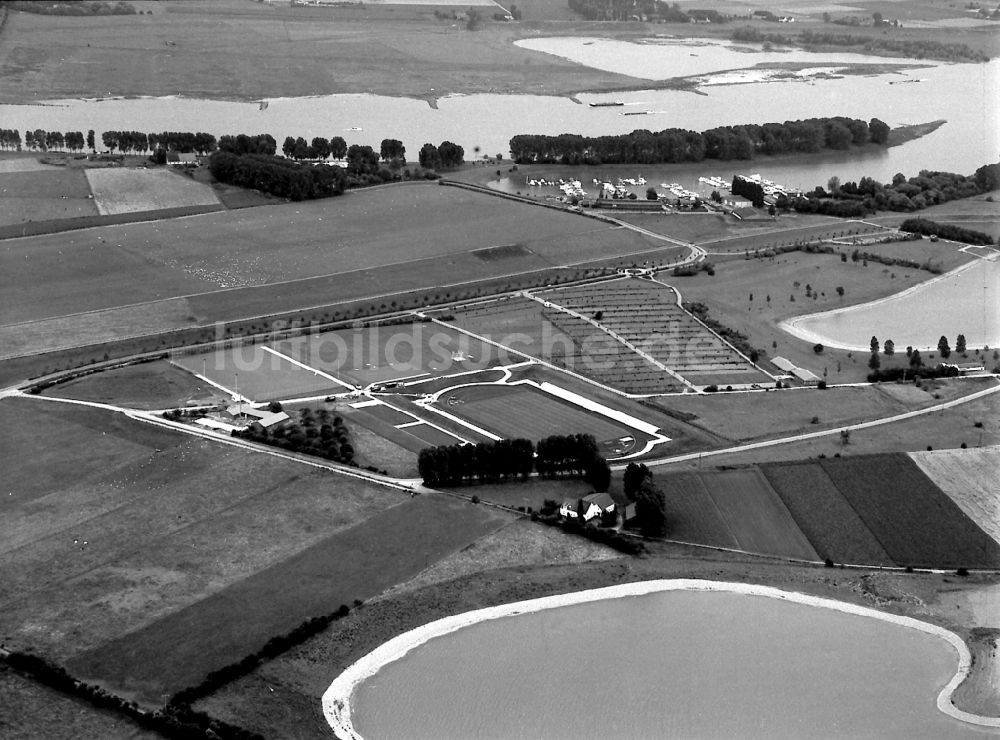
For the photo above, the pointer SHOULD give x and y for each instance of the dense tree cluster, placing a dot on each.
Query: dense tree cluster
(489, 462)
(913, 48)
(650, 503)
(278, 176)
(444, 157)
(752, 191)
(916, 371)
(313, 433)
(678, 145)
(10, 138)
(244, 144)
(945, 231)
(916, 193)
(129, 142)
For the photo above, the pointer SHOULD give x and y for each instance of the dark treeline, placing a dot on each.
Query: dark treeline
(490, 462)
(174, 721)
(915, 372)
(650, 503)
(852, 200)
(447, 155)
(945, 231)
(313, 433)
(278, 176)
(653, 11)
(913, 48)
(178, 141)
(274, 647)
(10, 138)
(677, 145)
(93, 7)
(40, 140)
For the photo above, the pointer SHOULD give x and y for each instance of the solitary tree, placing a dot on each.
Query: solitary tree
(651, 510)
(873, 362)
(943, 347)
(960, 344)
(889, 347)
(840, 288)
(338, 147)
(874, 344)
(915, 359)
(633, 478)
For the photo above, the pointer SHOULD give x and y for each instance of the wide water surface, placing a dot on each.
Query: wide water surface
(669, 664)
(963, 94)
(964, 301)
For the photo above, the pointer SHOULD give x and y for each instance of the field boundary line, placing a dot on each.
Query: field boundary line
(231, 393)
(428, 422)
(822, 433)
(469, 425)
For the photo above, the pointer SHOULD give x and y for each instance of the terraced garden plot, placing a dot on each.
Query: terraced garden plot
(972, 479)
(756, 515)
(916, 522)
(824, 515)
(356, 563)
(647, 315)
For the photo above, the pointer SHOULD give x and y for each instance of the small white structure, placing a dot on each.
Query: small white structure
(594, 504)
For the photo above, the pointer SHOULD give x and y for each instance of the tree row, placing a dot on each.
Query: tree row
(678, 145)
(489, 462)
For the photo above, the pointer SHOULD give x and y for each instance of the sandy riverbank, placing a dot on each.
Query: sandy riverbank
(336, 700)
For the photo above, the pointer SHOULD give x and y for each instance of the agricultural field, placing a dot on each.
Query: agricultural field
(913, 519)
(156, 526)
(734, 509)
(972, 478)
(31, 191)
(150, 385)
(328, 247)
(129, 190)
(825, 517)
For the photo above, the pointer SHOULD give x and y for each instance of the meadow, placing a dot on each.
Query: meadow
(969, 476)
(30, 191)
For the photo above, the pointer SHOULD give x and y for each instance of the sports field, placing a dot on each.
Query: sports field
(258, 374)
(385, 354)
(525, 412)
(127, 190)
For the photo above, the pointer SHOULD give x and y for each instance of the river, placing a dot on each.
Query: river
(963, 94)
(679, 663)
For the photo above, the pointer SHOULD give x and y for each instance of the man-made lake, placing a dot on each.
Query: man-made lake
(964, 301)
(963, 94)
(677, 663)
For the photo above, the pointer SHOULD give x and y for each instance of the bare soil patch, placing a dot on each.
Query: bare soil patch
(127, 190)
(972, 478)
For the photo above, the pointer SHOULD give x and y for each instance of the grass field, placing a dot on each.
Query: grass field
(356, 563)
(972, 478)
(915, 521)
(257, 374)
(126, 190)
(151, 385)
(42, 192)
(784, 281)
